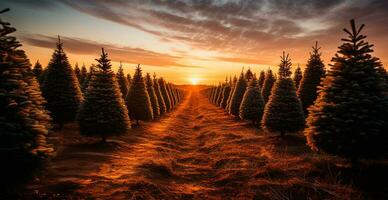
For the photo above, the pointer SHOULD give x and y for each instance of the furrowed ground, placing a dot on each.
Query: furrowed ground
(197, 152)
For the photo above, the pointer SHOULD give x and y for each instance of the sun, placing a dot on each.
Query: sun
(194, 80)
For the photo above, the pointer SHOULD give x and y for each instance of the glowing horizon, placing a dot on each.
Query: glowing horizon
(192, 42)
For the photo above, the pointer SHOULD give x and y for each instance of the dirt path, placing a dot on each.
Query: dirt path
(195, 152)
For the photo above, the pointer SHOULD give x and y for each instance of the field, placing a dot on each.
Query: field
(198, 151)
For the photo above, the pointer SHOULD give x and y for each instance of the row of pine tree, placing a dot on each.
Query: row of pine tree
(32, 100)
(343, 111)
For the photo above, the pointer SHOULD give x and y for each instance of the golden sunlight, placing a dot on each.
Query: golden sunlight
(194, 80)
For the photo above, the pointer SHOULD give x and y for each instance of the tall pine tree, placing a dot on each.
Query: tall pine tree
(350, 116)
(283, 112)
(123, 81)
(162, 105)
(261, 78)
(153, 97)
(61, 88)
(297, 77)
(84, 74)
(166, 98)
(313, 73)
(138, 100)
(238, 95)
(225, 95)
(38, 71)
(267, 86)
(234, 82)
(103, 112)
(252, 104)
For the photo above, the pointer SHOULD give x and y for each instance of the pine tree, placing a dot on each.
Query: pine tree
(232, 87)
(103, 112)
(238, 95)
(153, 97)
(61, 88)
(85, 83)
(252, 104)
(169, 92)
(314, 72)
(162, 105)
(77, 72)
(123, 81)
(129, 79)
(261, 78)
(225, 95)
(267, 86)
(24, 122)
(248, 75)
(283, 112)
(84, 74)
(138, 100)
(350, 116)
(166, 98)
(38, 71)
(297, 77)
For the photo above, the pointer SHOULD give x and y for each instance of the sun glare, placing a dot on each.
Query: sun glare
(194, 80)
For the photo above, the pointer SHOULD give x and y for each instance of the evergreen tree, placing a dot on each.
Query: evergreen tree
(103, 112)
(166, 98)
(84, 74)
(211, 94)
(162, 105)
(267, 86)
(77, 72)
(217, 94)
(61, 88)
(297, 77)
(138, 100)
(123, 81)
(283, 112)
(248, 75)
(169, 92)
(24, 122)
(350, 116)
(85, 83)
(153, 97)
(238, 95)
(252, 104)
(38, 71)
(313, 73)
(233, 86)
(261, 78)
(225, 95)
(129, 79)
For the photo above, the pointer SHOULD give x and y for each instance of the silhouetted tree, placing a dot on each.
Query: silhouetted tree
(103, 112)
(225, 95)
(261, 79)
(88, 77)
(248, 75)
(84, 74)
(297, 77)
(267, 86)
(24, 122)
(233, 86)
(350, 116)
(77, 72)
(238, 95)
(313, 73)
(283, 112)
(162, 105)
(38, 72)
(123, 81)
(61, 88)
(252, 104)
(153, 97)
(138, 100)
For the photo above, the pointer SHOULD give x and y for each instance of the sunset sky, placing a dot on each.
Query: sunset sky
(183, 40)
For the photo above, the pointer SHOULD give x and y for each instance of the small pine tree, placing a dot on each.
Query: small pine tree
(129, 79)
(138, 100)
(24, 122)
(84, 74)
(152, 94)
(38, 71)
(248, 75)
(166, 98)
(261, 78)
(123, 81)
(169, 92)
(297, 77)
(232, 87)
(225, 95)
(267, 86)
(88, 77)
(162, 105)
(103, 112)
(313, 73)
(238, 95)
(77, 72)
(283, 112)
(61, 88)
(350, 116)
(252, 104)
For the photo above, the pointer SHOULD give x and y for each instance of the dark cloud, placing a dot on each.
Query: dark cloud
(116, 53)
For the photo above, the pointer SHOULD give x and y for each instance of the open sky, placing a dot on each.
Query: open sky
(183, 40)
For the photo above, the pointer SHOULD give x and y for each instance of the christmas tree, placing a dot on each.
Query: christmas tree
(24, 123)
(232, 87)
(248, 75)
(261, 78)
(138, 100)
(123, 81)
(61, 88)
(170, 95)
(267, 86)
(166, 98)
(252, 104)
(162, 105)
(297, 77)
(350, 116)
(225, 95)
(77, 72)
(283, 112)
(84, 74)
(103, 112)
(152, 94)
(314, 72)
(38, 72)
(88, 77)
(238, 95)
